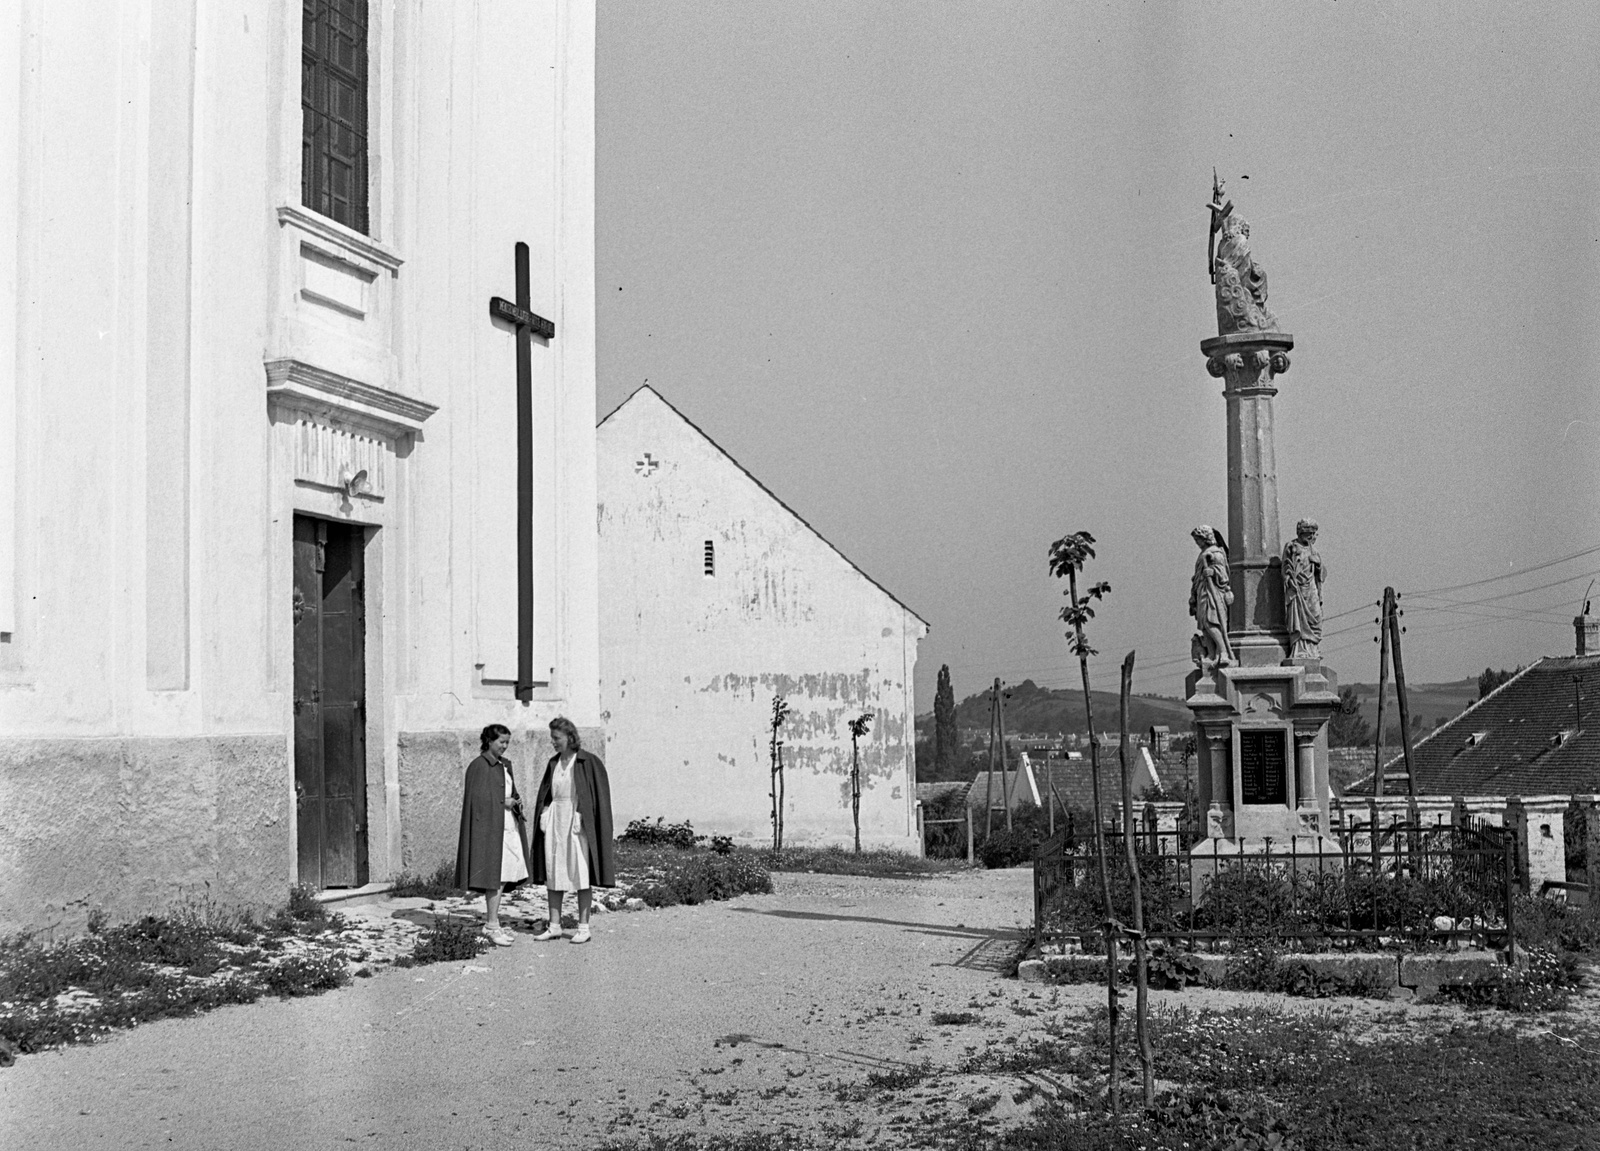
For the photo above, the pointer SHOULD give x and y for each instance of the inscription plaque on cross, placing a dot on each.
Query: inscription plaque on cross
(528, 324)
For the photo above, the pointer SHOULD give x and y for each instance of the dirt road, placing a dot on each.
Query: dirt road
(763, 1012)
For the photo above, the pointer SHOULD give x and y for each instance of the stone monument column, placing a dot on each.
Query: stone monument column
(1260, 697)
(1249, 363)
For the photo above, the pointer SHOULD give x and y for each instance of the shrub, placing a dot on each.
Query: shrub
(661, 832)
(722, 844)
(446, 941)
(440, 884)
(1557, 926)
(699, 878)
(1007, 848)
(836, 860)
(306, 974)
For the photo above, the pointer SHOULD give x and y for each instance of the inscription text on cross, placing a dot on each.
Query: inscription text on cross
(528, 324)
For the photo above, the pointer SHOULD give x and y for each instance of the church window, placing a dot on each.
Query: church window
(711, 558)
(333, 99)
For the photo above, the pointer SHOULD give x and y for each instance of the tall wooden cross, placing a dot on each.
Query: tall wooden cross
(528, 324)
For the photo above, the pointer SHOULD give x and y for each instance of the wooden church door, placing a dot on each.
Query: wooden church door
(330, 711)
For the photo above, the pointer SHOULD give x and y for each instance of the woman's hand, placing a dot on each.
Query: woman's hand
(577, 823)
(511, 803)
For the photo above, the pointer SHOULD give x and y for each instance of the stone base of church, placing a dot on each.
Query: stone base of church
(432, 766)
(128, 826)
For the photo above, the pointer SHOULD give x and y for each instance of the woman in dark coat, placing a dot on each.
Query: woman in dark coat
(492, 853)
(572, 837)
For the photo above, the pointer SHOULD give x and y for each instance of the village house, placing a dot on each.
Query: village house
(1526, 756)
(265, 570)
(716, 597)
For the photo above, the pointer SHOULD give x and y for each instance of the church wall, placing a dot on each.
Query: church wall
(147, 499)
(690, 662)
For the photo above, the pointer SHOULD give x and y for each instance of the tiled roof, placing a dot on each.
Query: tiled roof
(1072, 783)
(1524, 738)
(928, 792)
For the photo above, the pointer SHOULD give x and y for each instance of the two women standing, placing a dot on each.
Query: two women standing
(571, 849)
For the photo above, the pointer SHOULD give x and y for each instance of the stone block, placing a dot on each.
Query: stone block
(1354, 967)
(1427, 972)
(132, 825)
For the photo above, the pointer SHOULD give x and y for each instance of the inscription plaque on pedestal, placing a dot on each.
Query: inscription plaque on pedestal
(1263, 764)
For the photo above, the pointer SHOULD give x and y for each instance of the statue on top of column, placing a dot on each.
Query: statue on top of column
(1240, 282)
(1209, 596)
(1303, 574)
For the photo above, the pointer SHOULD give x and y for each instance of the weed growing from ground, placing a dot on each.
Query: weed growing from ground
(441, 884)
(953, 1018)
(192, 959)
(668, 876)
(446, 941)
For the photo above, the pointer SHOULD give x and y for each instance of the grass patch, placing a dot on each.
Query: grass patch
(899, 1078)
(1307, 1080)
(441, 884)
(836, 859)
(953, 1018)
(665, 876)
(192, 959)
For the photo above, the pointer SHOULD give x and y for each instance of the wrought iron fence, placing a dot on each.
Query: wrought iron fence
(1404, 885)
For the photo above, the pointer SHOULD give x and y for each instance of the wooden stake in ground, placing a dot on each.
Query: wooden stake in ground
(859, 726)
(1067, 557)
(1141, 952)
(780, 711)
(1392, 598)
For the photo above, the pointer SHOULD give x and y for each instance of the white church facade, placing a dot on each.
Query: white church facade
(289, 509)
(715, 597)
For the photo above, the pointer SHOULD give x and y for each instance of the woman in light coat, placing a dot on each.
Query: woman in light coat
(572, 849)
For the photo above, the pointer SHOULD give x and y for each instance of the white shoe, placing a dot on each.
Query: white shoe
(499, 936)
(582, 934)
(549, 933)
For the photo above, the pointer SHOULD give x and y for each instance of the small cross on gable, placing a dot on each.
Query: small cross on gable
(646, 466)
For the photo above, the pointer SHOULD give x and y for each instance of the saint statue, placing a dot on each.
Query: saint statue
(1209, 597)
(1303, 574)
(1241, 283)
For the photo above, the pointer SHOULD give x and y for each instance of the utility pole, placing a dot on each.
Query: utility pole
(1391, 599)
(1008, 787)
(988, 789)
(1383, 684)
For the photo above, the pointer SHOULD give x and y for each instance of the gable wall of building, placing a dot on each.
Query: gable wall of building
(690, 662)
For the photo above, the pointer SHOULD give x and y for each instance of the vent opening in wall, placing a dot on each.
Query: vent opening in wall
(711, 558)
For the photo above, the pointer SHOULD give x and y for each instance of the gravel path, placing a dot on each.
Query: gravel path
(761, 1013)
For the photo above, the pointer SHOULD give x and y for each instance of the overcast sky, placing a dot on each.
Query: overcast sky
(935, 273)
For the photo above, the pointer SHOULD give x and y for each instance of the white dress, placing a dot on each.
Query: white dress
(566, 860)
(513, 866)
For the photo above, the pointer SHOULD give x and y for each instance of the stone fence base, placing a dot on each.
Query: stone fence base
(1414, 974)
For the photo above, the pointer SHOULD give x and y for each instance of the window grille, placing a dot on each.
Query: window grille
(711, 558)
(333, 99)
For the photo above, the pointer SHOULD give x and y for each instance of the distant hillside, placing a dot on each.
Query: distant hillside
(1043, 709)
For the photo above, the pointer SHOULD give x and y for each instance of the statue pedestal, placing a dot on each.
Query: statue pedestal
(1263, 752)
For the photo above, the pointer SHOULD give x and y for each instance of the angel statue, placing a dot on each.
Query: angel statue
(1303, 574)
(1209, 597)
(1240, 281)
